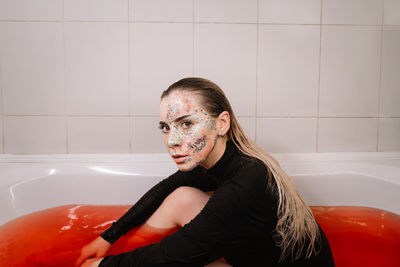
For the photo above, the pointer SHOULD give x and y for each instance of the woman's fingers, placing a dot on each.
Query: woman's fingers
(87, 252)
(97, 248)
(83, 257)
(92, 262)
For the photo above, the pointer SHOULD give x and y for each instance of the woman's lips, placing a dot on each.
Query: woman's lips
(179, 159)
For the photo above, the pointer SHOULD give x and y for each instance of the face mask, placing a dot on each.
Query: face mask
(189, 131)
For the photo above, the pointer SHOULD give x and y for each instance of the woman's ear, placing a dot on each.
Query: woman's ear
(223, 123)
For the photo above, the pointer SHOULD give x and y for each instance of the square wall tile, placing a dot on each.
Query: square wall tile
(146, 137)
(109, 10)
(288, 69)
(289, 11)
(389, 134)
(32, 68)
(225, 11)
(161, 10)
(347, 134)
(161, 54)
(287, 135)
(365, 12)
(97, 68)
(98, 135)
(391, 12)
(390, 80)
(226, 54)
(35, 135)
(349, 79)
(31, 10)
(249, 126)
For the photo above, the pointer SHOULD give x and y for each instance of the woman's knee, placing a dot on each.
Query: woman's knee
(186, 197)
(179, 207)
(186, 202)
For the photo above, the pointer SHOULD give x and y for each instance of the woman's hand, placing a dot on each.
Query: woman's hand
(95, 249)
(92, 262)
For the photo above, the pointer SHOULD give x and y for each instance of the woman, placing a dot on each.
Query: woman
(231, 198)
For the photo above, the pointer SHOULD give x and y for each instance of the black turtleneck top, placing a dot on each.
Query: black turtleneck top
(237, 222)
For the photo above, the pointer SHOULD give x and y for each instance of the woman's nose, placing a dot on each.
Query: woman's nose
(174, 139)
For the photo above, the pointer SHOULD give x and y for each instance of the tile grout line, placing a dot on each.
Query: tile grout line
(193, 38)
(319, 79)
(257, 43)
(201, 22)
(130, 94)
(242, 116)
(2, 106)
(380, 78)
(65, 79)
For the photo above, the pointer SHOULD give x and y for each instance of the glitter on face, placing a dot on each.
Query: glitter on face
(189, 131)
(199, 143)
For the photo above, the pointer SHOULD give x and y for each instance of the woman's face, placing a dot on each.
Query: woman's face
(189, 131)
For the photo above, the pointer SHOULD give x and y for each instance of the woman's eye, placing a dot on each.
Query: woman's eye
(186, 124)
(164, 128)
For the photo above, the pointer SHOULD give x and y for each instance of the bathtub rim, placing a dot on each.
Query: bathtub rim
(383, 166)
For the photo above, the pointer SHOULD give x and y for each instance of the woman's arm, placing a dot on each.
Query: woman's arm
(140, 212)
(199, 242)
(150, 201)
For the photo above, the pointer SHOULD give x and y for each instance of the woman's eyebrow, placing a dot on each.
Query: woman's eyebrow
(176, 120)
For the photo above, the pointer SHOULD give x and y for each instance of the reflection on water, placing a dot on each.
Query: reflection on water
(54, 237)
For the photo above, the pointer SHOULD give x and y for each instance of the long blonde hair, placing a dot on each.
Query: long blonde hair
(296, 227)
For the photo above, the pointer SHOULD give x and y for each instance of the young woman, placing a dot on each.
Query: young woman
(230, 197)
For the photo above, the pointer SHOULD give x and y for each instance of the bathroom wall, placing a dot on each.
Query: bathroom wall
(85, 76)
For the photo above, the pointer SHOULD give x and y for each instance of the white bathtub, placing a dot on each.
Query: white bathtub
(32, 183)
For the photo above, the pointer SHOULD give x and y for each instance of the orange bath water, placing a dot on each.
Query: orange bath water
(53, 237)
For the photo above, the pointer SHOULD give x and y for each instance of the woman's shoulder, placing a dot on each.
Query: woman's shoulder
(252, 164)
(251, 169)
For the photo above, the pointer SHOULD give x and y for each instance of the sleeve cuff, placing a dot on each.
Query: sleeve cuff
(111, 235)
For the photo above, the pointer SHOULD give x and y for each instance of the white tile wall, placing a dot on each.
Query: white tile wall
(224, 51)
(289, 11)
(96, 55)
(249, 126)
(350, 62)
(288, 70)
(146, 137)
(98, 135)
(364, 12)
(389, 134)
(155, 67)
(106, 10)
(347, 134)
(31, 10)
(391, 12)
(225, 11)
(287, 134)
(302, 75)
(34, 135)
(32, 66)
(161, 10)
(390, 81)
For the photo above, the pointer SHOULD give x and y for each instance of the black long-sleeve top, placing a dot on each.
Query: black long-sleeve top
(237, 222)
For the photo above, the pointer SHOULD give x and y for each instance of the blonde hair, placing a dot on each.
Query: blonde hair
(296, 227)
